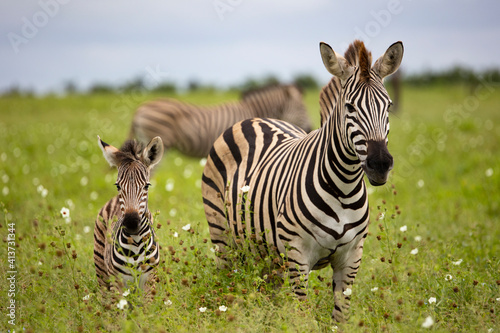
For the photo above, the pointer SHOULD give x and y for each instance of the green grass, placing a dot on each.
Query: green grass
(444, 188)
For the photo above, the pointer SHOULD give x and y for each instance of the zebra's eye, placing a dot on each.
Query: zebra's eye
(350, 107)
(118, 187)
(389, 107)
(146, 187)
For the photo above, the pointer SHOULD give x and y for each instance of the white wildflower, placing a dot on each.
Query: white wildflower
(176, 234)
(489, 172)
(414, 251)
(335, 328)
(448, 277)
(202, 309)
(86, 229)
(420, 183)
(418, 238)
(403, 228)
(5, 191)
(458, 262)
(245, 189)
(44, 192)
(374, 289)
(172, 212)
(121, 304)
(84, 181)
(203, 161)
(223, 308)
(428, 322)
(432, 300)
(65, 212)
(169, 186)
(94, 195)
(348, 292)
(70, 203)
(86, 297)
(187, 172)
(168, 302)
(187, 227)
(126, 293)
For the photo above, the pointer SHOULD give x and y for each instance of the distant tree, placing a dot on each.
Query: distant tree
(168, 88)
(193, 85)
(70, 88)
(248, 84)
(13, 91)
(136, 84)
(101, 88)
(270, 80)
(306, 81)
(252, 83)
(16, 91)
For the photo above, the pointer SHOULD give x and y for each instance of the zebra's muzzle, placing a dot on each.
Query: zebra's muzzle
(131, 222)
(378, 163)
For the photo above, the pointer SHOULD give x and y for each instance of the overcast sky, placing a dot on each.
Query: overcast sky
(46, 43)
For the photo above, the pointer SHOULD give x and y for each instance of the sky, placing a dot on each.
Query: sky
(47, 43)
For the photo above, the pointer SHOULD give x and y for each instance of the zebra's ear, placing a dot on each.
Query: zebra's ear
(108, 151)
(153, 152)
(390, 61)
(335, 63)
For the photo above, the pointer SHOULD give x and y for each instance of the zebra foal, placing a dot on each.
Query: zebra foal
(125, 244)
(305, 193)
(193, 129)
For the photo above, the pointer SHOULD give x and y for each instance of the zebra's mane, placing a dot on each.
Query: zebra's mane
(129, 152)
(357, 55)
(268, 88)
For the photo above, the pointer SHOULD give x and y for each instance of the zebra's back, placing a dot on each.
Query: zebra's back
(188, 128)
(193, 129)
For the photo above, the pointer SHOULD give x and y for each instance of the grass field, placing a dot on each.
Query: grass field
(432, 255)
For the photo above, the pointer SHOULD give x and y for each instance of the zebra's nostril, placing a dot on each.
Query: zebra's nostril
(131, 221)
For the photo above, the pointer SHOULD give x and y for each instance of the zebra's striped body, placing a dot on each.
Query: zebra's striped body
(193, 129)
(306, 196)
(125, 244)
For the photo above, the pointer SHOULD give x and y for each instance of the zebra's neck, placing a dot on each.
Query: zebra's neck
(340, 166)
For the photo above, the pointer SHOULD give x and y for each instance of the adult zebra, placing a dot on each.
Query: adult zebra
(125, 244)
(306, 194)
(193, 129)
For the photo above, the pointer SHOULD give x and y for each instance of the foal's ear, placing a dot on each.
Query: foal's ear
(390, 61)
(335, 63)
(109, 152)
(153, 152)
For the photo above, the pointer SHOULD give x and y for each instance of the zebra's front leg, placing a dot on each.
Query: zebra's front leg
(344, 274)
(299, 275)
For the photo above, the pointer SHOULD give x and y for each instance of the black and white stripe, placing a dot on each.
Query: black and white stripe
(307, 196)
(125, 243)
(193, 129)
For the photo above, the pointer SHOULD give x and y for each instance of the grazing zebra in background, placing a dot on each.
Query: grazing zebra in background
(305, 193)
(125, 244)
(193, 129)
